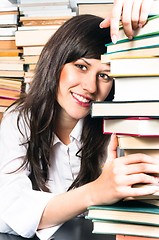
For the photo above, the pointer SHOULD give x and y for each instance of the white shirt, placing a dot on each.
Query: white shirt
(21, 207)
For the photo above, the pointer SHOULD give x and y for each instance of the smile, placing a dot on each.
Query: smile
(81, 98)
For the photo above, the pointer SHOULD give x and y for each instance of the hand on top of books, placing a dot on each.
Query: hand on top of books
(132, 13)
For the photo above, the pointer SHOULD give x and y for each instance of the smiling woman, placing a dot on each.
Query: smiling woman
(88, 81)
(52, 151)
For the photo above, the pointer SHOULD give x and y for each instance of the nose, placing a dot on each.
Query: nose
(89, 84)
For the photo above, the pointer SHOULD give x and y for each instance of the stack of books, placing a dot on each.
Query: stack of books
(39, 20)
(134, 116)
(130, 218)
(11, 63)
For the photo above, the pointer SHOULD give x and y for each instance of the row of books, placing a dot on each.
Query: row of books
(11, 63)
(134, 116)
(25, 27)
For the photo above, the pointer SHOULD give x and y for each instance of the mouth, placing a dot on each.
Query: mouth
(81, 99)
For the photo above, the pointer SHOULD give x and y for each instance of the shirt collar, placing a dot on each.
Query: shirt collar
(75, 133)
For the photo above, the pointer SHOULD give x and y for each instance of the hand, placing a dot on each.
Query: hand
(132, 13)
(121, 173)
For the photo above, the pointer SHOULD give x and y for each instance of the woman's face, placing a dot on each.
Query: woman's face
(82, 82)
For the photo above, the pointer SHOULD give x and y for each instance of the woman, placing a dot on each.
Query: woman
(54, 159)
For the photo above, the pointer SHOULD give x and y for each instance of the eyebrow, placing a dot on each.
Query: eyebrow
(86, 61)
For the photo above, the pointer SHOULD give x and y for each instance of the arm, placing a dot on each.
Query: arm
(132, 13)
(115, 182)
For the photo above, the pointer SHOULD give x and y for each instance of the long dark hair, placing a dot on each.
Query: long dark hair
(79, 37)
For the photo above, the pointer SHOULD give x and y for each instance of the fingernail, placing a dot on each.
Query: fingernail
(114, 39)
(130, 37)
(101, 25)
(140, 25)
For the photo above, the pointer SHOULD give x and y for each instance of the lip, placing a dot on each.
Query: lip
(82, 100)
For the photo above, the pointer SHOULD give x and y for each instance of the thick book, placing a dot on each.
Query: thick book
(131, 142)
(136, 88)
(125, 44)
(141, 67)
(150, 51)
(114, 228)
(123, 109)
(138, 126)
(134, 212)
(33, 38)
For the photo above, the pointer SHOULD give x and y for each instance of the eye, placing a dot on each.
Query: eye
(105, 77)
(81, 67)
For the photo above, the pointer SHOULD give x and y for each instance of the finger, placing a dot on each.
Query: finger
(115, 19)
(141, 168)
(127, 18)
(144, 12)
(105, 23)
(136, 10)
(112, 147)
(139, 158)
(132, 192)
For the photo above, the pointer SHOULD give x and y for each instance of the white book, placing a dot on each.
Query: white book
(7, 31)
(136, 88)
(135, 67)
(42, 7)
(32, 51)
(50, 14)
(8, 19)
(28, 28)
(42, 1)
(5, 3)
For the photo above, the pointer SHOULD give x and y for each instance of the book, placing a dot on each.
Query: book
(151, 152)
(7, 93)
(125, 44)
(132, 126)
(114, 228)
(126, 211)
(141, 67)
(31, 59)
(11, 66)
(151, 27)
(32, 50)
(6, 102)
(129, 237)
(7, 43)
(99, 9)
(124, 109)
(150, 51)
(11, 73)
(38, 37)
(7, 18)
(10, 83)
(10, 52)
(136, 88)
(43, 21)
(131, 142)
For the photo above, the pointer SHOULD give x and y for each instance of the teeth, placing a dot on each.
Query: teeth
(80, 98)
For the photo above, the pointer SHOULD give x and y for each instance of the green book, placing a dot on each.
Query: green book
(131, 211)
(121, 228)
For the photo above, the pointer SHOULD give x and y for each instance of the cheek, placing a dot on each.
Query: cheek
(104, 91)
